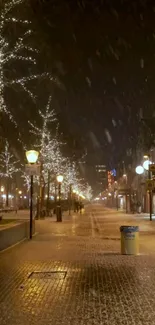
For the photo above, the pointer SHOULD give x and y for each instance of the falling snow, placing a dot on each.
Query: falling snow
(115, 13)
(94, 140)
(74, 37)
(141, 113)
(98, 53)
(114, 122)
(142, 63)
(111, 66)
(90, 64)
(108, 136)
(114, 80)
(88, 81)
(129, 152)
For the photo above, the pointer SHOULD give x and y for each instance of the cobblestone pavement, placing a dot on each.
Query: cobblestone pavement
(107, 223)
(69, 274)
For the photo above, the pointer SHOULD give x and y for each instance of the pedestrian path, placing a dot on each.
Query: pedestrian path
(69, 275)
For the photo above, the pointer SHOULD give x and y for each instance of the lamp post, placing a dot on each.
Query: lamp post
(32, 157)
(146, 166)
(2, 189)
(48, 195)
(2, 193)
(59, 211)
(55, 197)
(70, 198)
(20, 199)
(140, 170)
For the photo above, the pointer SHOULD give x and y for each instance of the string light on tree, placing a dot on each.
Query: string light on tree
(50, 148)
(48, 145)
(8, 166)
(11, 53)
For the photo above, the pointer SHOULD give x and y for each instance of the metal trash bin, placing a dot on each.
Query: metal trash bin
(129, 240)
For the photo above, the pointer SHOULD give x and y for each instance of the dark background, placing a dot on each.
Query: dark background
(103, 55)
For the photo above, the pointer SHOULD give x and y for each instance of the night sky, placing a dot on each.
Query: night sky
(103, 54)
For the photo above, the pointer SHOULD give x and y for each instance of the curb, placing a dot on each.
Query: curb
(19, 242)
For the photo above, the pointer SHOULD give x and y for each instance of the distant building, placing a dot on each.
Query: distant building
(101, 177)
(111, 178)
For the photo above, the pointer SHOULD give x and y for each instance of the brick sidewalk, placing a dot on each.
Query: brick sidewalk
(91, 284)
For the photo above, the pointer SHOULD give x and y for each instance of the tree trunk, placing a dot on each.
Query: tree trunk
(70, 199)
(39, 212)
(7, 192)
(55, 197)
(48, 194)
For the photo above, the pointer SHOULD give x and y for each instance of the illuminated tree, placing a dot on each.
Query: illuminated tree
(51, 158)
(13, 50)
(8, 167)
(48, 145)
(44, 142)
(87, 192)
(70, 173)
(26, 179)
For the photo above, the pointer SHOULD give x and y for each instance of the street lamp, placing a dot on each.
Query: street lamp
(60, 179)
(32, 157)
(146, 164)
(139, 170)
(2, 189)
(2, 193)
(59, 211)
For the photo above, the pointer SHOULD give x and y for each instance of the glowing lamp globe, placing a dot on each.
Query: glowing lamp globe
(139, 170)
(60, 178)
(32, 156)
(2, 188)
(146, 164)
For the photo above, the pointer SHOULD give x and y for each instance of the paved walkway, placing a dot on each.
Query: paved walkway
(69, 274)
